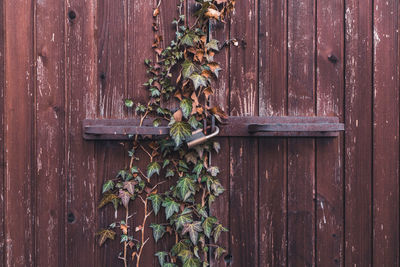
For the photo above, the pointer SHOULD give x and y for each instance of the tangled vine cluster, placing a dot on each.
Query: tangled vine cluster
(184, 71)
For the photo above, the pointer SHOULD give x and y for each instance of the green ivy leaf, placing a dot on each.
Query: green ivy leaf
(198, 80)
(192, 262)
(158, 231)
(218, 252)
(161, 257)
(156, 201)
(194, 122)
(129, 103)
(193, 229)
(153, 168)
(213, 44)
(188, 39)
(217, 232)
(165, 164)
(208, 225)
(198, 168)
(104, 235)
(185, 188)
(179, 131)
(169, 264)
(185, 255)
(182, 220)
(170, 206)
(170, 173)
(186, 106)
(213, 171)
(107, 186)
(188, 68)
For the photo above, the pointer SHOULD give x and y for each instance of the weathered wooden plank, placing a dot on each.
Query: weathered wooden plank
(81, 81)
(386, 134)
(221, 206)
(2, 144)
(19, 127)
(329, 153)
(140, 38)
(358, 139)
(112, 90)
(272, 160)
(50, 141)
(244, 152)
(301, 154)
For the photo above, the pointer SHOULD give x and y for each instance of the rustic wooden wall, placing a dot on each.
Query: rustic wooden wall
(289, 202)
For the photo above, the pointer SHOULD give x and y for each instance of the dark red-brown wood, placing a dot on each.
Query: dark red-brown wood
(288, 201)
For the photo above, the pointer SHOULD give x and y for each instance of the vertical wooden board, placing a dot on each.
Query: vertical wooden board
(50, 141)
(358, 139)
(329, 158)
(111, 58)
(140, 37)
(221, 207)
(81, 82)
(111, 76)
(2, 129)
(244, 152)
(272, 201)
(301, 156)
(386, 135)
(272, 151)
(18, 145)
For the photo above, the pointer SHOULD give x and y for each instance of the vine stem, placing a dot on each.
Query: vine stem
(146, 214)
(126, 243)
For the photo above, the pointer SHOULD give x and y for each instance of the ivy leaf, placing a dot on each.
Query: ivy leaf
(130, 186)
(198, 80)
(217, 231)
(185, 255)
(198, 168)
(158, 231)
(156, 201)
(161, 257)
(193, 229)
(169, 264)
(216, 146)
(213, 44)
(192, 262)
(129, 103)
(188, 39)
(213, 171)
(186, 106)
(194, 122)
(170, 173)
(179, 131)
(171, 207)
(178, 247)
(218, 252)
(125, 197)
(104, 235)
(153, 168)
(208, 225)
(107, 199)
(214, 68)
(188, 68)
(185, 188)
(165, 164)
(109, 185)
(182, 220)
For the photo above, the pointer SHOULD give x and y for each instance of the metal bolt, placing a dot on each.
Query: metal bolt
(332, 58)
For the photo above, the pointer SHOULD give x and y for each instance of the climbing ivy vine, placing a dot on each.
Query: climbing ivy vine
(182, 75)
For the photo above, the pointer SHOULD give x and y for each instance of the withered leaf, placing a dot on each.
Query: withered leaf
(178, 115)
(104, 235)
(107, 199)
(125, 197)
(212, 13)
(130, 186)
(156, 12)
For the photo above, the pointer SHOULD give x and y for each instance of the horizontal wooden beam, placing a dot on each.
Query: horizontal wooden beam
(250, 126)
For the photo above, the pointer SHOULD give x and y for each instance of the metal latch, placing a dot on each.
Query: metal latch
(198, 137)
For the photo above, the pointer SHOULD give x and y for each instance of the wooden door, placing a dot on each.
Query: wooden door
(288, 201)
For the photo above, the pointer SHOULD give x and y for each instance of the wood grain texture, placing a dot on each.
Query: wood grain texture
(329, 153)
(272, 192)
(2, 129)
(385, 184)
(358, 139)
(244, 152)
(111, 42)
(81, 163)
(19, 133)
(301, 153)
(50, 132)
